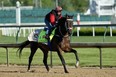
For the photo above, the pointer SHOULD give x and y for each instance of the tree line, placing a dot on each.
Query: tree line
(69, 5)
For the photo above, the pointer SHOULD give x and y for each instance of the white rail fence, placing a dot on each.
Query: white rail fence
(22, 32)
(26, 28)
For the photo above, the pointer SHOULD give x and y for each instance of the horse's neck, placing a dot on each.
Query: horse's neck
(66, 35)
(60, 32)
(66, 38)
(65, 43)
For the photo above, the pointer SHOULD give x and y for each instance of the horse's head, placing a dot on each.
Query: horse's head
(69, 23)
(65, 25)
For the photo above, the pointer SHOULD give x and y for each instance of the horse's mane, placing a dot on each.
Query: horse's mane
(61, 27)
(61, 21)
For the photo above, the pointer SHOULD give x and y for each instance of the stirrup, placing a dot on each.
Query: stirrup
(47, 37)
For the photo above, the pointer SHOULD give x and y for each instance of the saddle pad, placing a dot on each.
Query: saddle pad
(39, 36)
(33, 36)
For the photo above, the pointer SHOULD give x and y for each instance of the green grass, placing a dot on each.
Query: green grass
(7, 39)
(87, 56)
(93, 39)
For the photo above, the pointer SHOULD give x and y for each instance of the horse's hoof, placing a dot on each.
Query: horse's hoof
(28, 70)
(66, 72)
(77, 64)
(48, 70)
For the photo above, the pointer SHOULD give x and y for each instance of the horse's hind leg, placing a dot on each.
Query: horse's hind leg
(45, 60)
(45, 50)
(77, 59)
(33, 47)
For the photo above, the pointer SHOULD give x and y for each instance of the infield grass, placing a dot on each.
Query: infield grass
(87, 56)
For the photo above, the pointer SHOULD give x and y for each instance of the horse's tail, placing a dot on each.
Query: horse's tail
(22, 45)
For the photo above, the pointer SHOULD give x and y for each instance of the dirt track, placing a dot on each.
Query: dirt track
(56, 71)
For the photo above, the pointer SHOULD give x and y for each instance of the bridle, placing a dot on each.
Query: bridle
(68, 26)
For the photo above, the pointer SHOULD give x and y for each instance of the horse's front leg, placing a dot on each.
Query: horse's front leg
(76, 55)
(63, 61)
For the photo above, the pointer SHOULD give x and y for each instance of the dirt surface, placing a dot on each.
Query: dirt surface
(56, 71)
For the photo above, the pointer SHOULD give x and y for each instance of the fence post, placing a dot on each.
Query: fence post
(105, 34)
(100, 57)
(111, 31)
(78, 23)
(7, 56)
(93, 31)
(18, 18)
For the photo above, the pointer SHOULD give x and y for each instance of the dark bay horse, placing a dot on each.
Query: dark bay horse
(60, 42)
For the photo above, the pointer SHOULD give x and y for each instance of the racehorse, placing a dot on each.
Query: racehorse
(60, 42)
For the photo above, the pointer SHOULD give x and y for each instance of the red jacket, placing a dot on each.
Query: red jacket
(53, 17)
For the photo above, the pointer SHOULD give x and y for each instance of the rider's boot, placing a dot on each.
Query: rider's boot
(47, 36)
